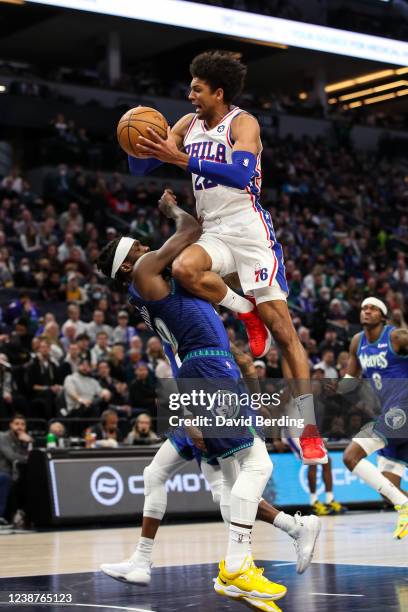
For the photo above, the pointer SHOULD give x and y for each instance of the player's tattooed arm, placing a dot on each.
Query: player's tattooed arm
(147, 273)
(246, 365)
(399, 339)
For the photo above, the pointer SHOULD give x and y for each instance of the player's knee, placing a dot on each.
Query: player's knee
(153, 478)
(263, 471)
(350, 459)
(184, 271)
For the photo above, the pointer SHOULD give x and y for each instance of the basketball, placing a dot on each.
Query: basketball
(134, 123)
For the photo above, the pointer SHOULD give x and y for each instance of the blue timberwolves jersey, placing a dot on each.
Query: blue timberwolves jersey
(182, 320)
(386, 370)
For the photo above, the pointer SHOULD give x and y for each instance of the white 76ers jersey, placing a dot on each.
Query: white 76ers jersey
(216, 201)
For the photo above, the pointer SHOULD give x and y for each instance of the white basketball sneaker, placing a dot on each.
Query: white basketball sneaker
(305, 540)
(130, 570)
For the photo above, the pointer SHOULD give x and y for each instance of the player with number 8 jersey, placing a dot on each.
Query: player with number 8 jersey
(380, 354)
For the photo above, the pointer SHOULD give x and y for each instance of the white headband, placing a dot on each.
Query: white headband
(372, 301)
(122, 251)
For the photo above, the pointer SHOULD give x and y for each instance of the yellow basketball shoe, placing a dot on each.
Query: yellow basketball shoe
(248, 581)
(267, 605)
(401, 529)
(320, 509)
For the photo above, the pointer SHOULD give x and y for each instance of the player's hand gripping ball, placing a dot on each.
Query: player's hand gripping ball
(134, 124)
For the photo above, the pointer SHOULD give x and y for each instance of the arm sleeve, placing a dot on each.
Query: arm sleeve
(238, 174)
(141, 167)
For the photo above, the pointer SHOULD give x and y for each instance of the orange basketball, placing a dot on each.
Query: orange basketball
(134, 124)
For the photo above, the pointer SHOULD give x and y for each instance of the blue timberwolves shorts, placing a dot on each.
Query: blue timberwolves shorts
(213, 370)
(185, 446)
(396, 450)
(392, 424)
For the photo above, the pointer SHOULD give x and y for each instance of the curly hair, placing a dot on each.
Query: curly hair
(220, 69)
(106, 257)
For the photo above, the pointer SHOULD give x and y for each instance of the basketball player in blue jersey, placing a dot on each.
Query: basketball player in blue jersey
(194, 328)
(380, 354)
(178, 449)
(220, 146)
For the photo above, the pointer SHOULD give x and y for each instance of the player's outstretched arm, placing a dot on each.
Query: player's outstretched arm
(147, 271)
(399, 339)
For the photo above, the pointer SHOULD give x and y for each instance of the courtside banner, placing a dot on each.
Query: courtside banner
(250, 26)
(109, 487)
(103, 487)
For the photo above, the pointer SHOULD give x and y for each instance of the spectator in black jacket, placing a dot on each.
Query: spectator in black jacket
(44, 381)
(119, 390)
(142, 394)
(107, 430)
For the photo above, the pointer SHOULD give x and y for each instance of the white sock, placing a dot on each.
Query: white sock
(329, 497)
(373, 477)
(236, 302)
(313, 498)
(286, 523)
(305, 406)
(143, 552)
(239, 547)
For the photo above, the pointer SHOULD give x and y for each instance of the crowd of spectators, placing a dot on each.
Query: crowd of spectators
(147, 78)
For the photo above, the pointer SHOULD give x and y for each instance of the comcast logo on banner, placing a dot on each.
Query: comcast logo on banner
(106, 485)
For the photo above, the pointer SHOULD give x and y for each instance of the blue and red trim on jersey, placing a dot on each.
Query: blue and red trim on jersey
(254, 192)
(190, 127)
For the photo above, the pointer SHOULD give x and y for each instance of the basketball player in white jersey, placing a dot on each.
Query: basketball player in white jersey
(220, 146)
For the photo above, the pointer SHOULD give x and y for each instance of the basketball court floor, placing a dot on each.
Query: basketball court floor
(357, 567)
